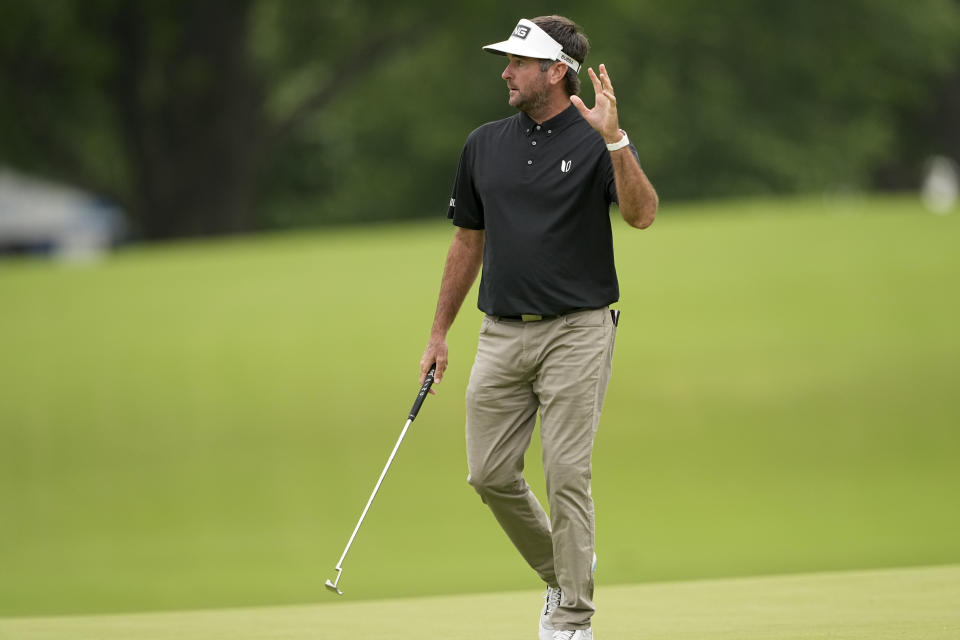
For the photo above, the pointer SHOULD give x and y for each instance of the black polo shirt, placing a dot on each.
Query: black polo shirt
(542, 194)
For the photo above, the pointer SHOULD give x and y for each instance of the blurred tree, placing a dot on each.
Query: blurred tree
(165, 107)
(226, 115)
(187, 105)
(924, 128)
(752, 96)
(732, 98)
(54, 117)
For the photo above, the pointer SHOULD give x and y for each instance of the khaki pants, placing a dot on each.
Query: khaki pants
(560, 367)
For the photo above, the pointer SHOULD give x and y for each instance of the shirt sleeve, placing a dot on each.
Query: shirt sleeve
(608, 175)
(466, 206)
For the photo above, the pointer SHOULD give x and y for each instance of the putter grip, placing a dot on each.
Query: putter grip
(427, 383)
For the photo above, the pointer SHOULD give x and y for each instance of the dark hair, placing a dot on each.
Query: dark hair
(573, 41)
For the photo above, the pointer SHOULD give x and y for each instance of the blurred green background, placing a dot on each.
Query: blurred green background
(200, 424)
(193, 421)
(218, 116)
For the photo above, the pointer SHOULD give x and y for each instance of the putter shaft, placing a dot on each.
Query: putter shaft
(427, 383)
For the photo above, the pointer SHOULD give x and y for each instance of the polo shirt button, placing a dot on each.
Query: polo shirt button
(534, 143)
(529, 161)
(538, 127)
(549, 130)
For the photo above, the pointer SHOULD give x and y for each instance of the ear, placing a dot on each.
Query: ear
(557, 72)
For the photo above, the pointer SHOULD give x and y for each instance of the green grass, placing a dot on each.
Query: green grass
(198, 425)
(877, 605)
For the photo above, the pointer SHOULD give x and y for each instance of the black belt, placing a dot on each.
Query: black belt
(535, 317)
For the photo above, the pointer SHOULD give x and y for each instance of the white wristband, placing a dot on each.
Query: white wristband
(621, 143)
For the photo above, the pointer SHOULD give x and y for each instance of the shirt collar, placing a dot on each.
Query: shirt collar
(557, 122)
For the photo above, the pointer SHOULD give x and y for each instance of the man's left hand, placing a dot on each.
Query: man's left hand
(603, 116)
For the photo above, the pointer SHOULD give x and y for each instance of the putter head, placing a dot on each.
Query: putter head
(332, 587)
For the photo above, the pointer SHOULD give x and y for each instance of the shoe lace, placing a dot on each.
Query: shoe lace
(564, 635)
(553, 600)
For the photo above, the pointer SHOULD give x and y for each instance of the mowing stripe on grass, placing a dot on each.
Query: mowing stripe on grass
(866, 605)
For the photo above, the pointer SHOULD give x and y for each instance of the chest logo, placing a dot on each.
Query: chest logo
(565, 165)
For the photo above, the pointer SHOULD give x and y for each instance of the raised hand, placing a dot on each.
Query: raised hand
(603, 116)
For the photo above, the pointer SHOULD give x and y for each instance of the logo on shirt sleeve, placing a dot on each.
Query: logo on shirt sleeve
(565, 165)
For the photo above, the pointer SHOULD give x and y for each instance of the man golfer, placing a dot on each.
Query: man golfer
(531, 204)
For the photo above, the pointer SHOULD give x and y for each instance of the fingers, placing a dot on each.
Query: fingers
(602, 85)
(427, 362)
(605, 79)
(424, 369)
(603, 116)
(578, 103)
(597, 86)
(435, 353)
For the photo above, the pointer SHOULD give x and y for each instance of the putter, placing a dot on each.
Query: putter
(427, 383)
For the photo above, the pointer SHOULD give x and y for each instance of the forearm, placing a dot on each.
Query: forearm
(637, 198)
(463, 264)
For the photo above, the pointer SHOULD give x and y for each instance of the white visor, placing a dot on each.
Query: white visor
(531, 41)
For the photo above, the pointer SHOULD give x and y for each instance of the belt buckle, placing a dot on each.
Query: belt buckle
(530, 317)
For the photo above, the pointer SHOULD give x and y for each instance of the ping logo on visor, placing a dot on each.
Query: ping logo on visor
(521, 32)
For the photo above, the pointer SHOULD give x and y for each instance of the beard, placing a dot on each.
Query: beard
(533, 99)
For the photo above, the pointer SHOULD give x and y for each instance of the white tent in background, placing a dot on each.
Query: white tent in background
(39, 216)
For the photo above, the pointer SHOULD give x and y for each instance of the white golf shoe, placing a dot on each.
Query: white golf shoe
(552, 601)
(570, 634)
